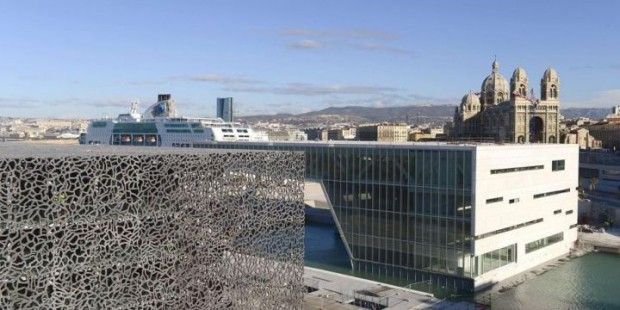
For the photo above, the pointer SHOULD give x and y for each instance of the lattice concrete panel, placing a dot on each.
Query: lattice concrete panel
(200, 230)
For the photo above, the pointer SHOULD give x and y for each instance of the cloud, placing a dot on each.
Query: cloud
(306, 44)
(384, 48)
(319, 90)
(217, 79)
(363, 40)
(339, 33)
(602, 99)
(25, 103)
(590, 67)
(305, 89)
(19, 103)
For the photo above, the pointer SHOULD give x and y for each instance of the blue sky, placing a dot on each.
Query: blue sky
(87, 59)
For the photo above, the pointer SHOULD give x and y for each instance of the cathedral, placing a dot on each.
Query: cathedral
(508, 113)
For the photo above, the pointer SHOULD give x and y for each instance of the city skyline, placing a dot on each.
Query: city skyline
(78, 60)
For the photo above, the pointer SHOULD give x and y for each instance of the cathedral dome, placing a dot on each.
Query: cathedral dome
(470, 99)
(495, 82)
(495, 85)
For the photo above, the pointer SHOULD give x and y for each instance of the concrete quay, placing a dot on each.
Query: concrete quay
(608, 241)
(328, 290)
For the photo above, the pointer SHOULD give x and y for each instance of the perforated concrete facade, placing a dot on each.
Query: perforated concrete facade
(112, 228)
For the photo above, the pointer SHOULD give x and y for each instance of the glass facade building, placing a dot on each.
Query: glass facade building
(225, 109)
(404, 211)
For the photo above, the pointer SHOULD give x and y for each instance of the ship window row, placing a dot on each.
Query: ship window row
(569, 212)
(227, 130)
(494, 200)
(544, 242)
(178, 131)
(517, 169)
(173, 125)
(507, 229)
(136, 139)
(497, 258)
(514, 200)
(242, 130)
(557, 165)
(547, 194)
(558, 211)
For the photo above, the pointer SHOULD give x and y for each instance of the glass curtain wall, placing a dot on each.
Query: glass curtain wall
(405, 212)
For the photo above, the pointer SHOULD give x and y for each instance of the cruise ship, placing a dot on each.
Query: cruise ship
(159, 125)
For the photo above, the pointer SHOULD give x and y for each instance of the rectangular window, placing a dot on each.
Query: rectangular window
(569, 212)
(514, 200)
(496, 199)
(541, 243)
(506, 229)
(497, 258)
(541, 195)
(573, 226)
(557, 165)
(517, 169)
(557, 211)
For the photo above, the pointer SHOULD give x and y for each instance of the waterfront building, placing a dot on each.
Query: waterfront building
(317, 134)
(225, 109)
(504, 112)
(286, 134)
(86, 227)
(342, 133)
(426, 134)
(582, 137)
(457, 216)
(608, 131)
(599, 178)
(383, 132)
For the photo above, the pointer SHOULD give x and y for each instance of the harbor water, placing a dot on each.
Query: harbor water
(591, 281)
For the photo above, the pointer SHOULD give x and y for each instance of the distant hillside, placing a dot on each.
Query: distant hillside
(357, 114)
(593, 113)
(434, 114)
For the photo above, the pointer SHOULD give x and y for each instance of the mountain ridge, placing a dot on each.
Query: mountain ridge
(433, 114)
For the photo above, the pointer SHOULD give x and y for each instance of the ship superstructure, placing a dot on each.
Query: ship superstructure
(159, 125)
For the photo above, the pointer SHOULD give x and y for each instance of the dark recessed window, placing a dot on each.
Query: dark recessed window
(493, 200)
(541, 195)
(516, 169)
(569, 212)
(557, 165)
(514, 200)
(557, 211)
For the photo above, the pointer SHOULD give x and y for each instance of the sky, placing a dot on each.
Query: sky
(91, 58)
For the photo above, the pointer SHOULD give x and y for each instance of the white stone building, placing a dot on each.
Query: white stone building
(525, 200)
